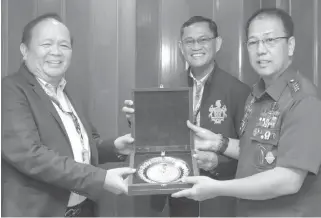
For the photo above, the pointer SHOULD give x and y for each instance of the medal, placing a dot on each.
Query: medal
(273, 115)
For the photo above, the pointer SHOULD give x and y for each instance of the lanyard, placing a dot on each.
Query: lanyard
(198, 99)
(84, 152)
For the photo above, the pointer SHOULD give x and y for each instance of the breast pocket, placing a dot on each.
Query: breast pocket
(265, 142)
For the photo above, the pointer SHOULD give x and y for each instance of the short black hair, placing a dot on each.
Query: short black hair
(27, 30)
(273, 12)
(198, 19)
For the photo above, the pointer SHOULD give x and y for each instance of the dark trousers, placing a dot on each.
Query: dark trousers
(84, 209)
(183, 207)
(217, 207)
(149, 206)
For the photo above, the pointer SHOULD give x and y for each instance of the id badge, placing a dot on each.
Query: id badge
(85, 156)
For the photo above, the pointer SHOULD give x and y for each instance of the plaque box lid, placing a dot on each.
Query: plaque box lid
(160, 117)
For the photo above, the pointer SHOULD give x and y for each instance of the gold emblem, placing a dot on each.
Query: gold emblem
(217, 113)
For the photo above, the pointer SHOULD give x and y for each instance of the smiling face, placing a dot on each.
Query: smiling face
(271, 58)
(48, 54)
(202, 52)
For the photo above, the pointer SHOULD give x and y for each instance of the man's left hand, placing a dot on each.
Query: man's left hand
(206, 160)
(203, 188)
(124, 144)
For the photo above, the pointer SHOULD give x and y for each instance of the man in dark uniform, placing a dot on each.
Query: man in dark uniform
(279, 150)
(218, 100)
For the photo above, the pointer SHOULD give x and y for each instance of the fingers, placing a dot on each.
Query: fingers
(199, 131)
(128, 102)
(114, 181)
(203, 155)
(193, 127)
(206, 160)
(201, 145)
(128, 138)
(191, 179)
(123, 171)
(184, 193)
(124, 142)
(123, 187)
(128, 108)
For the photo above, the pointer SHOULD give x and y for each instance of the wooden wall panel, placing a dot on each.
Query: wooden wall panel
(171, 20)
(317, 41)
(302, 14)
(233, 55)
(229, 20)
(147, 43)
(126, 57)
(104, 66)
(19, 14)
(248, 75)
(4, 37)
(79, 74)
(51, 6)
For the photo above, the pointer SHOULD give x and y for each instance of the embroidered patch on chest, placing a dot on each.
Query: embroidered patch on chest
(217, 113)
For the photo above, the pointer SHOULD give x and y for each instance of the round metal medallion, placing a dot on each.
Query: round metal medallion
(163, 170)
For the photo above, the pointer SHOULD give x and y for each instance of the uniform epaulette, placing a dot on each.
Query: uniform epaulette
(295, 88)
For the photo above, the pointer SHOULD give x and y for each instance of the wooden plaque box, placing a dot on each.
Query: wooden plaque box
(159, 128)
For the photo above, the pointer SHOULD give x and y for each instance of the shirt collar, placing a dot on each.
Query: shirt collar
(275, 89)
(48, 86)
(205, 78)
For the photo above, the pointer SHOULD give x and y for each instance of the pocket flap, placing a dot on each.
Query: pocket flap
(266, 135)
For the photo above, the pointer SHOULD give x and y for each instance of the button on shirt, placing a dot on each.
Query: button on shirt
(74, 137)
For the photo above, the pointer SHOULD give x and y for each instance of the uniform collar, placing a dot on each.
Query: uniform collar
(275, 89)
(206, 79)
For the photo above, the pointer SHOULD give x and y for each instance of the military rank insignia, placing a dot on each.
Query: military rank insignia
(294, 85)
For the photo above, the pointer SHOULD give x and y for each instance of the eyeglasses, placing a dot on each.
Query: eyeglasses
(268, 42)
(201, 41)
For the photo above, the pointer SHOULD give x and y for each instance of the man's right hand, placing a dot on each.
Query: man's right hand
(204, 139)
(115, 181)
(206, 160)
(128, 110)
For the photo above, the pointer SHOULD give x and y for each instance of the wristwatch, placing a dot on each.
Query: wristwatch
(223, 145)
